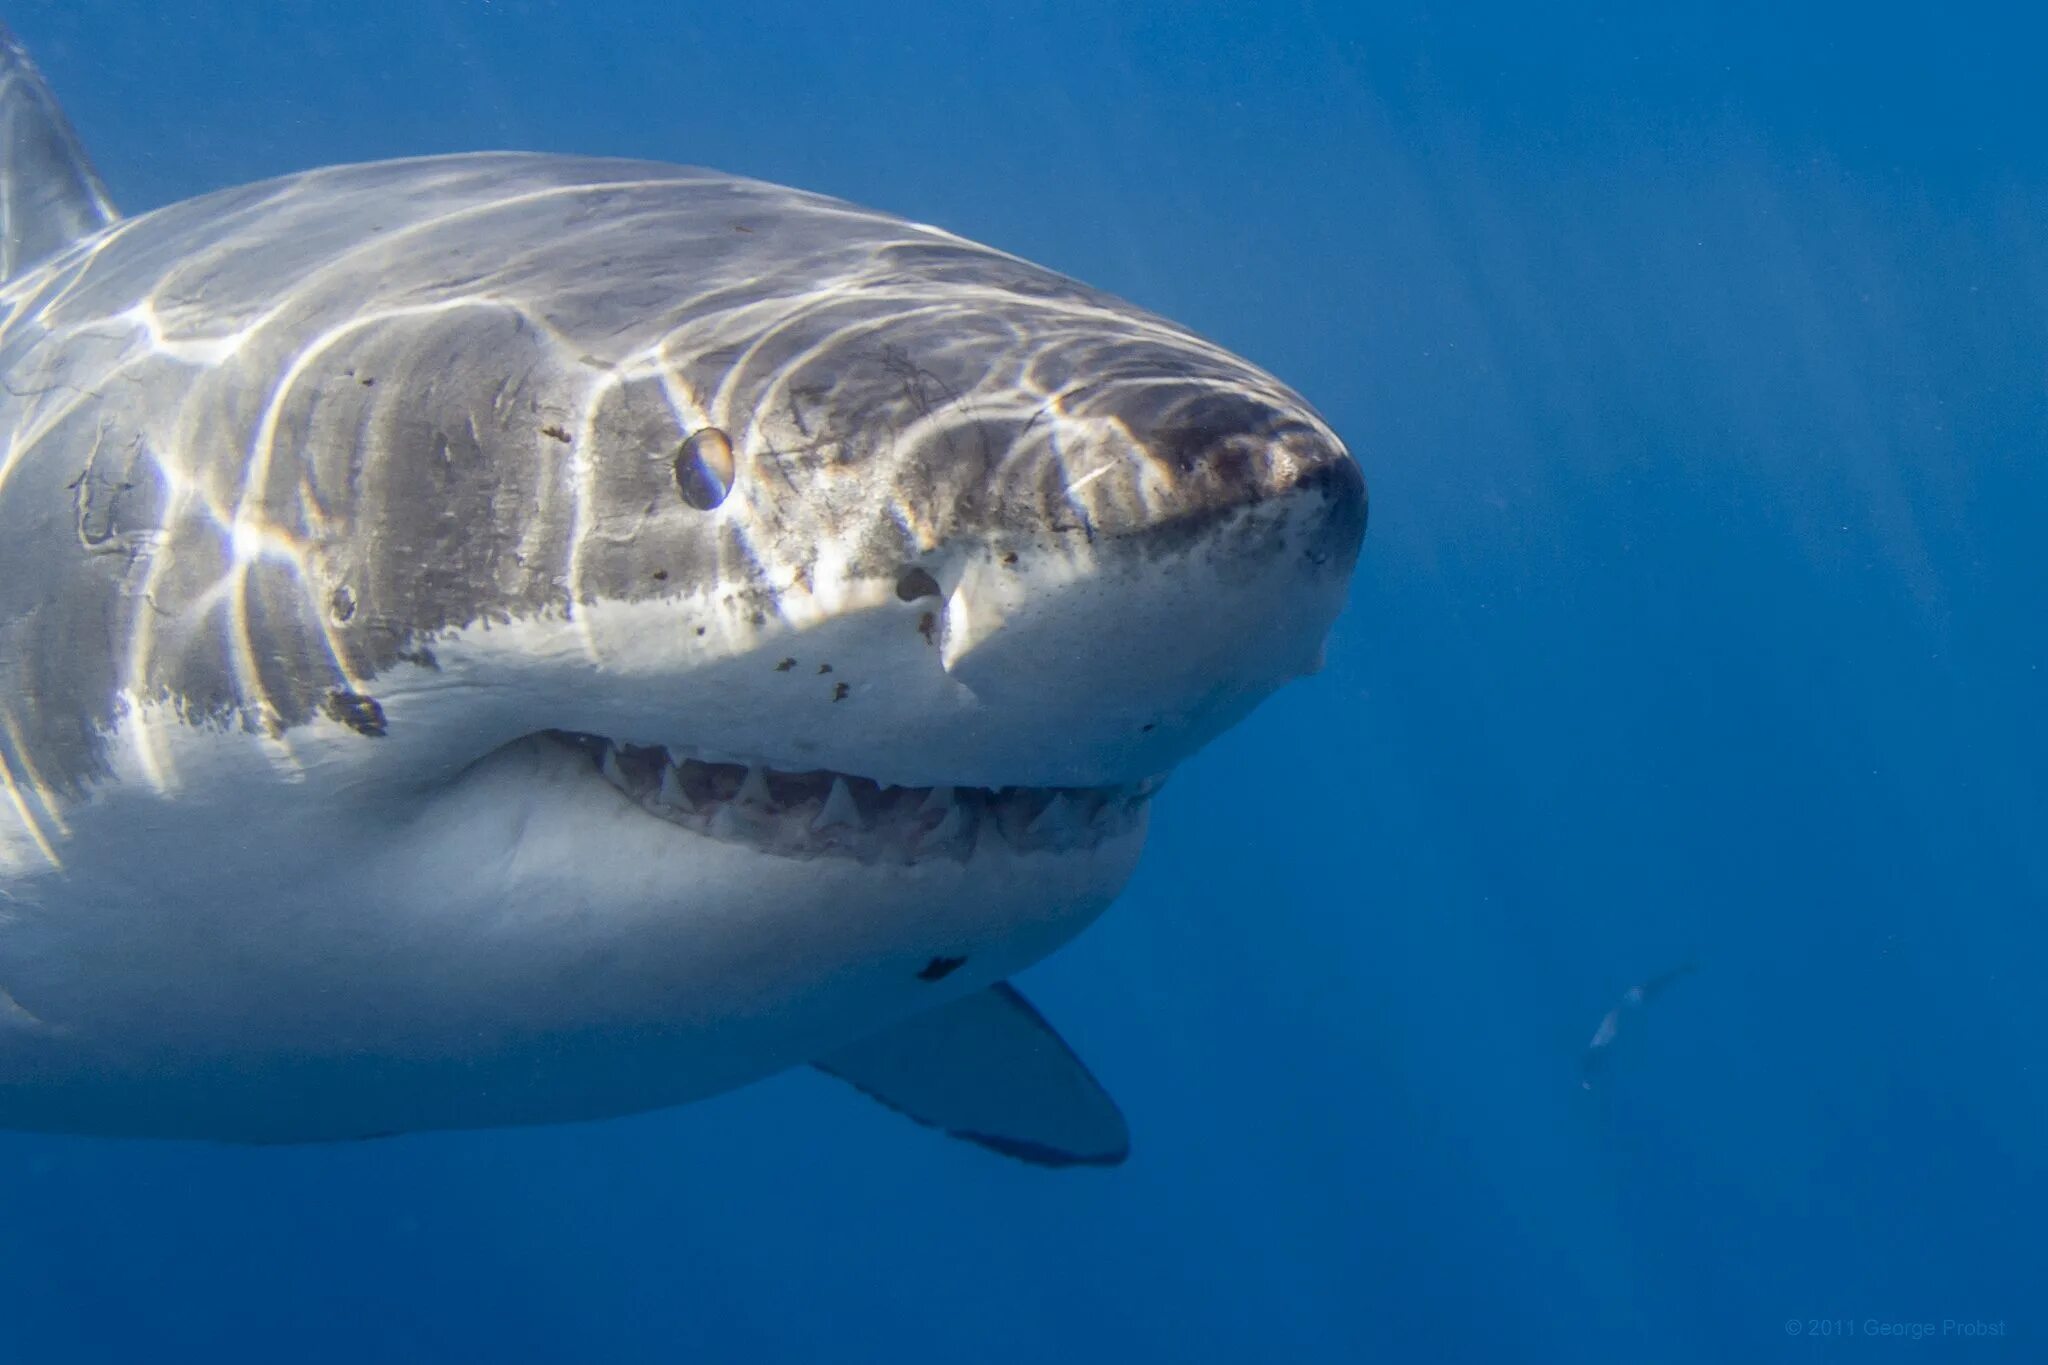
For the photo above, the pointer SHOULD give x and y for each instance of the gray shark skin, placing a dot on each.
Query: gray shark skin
(507, 638)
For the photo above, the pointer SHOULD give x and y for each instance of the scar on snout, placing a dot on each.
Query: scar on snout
(939, 968)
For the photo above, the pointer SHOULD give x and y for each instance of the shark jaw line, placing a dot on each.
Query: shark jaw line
(822, 813)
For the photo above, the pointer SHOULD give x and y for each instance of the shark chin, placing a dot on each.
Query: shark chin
(507, 639)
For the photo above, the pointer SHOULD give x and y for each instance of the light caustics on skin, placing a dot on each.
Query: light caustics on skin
(550, 637)
(785, 339)
(251, 539)
(803, 592)
(35, 806)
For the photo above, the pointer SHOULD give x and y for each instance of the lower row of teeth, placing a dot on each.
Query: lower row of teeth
(816, 812)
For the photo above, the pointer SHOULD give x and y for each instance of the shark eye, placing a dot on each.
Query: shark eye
(704, 468)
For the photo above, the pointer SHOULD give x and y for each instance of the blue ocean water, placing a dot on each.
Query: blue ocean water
(1698, 361)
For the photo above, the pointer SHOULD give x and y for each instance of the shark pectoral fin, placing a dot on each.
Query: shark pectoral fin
(50, 196)
(989, 1069)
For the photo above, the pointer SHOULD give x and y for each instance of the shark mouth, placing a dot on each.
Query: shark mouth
(822, 813)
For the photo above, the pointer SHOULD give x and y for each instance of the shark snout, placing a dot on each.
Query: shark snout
(1192, 590)
(1167, 463)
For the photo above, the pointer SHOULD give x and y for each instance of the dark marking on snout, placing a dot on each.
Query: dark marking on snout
(557, 432)
(1220, 436)
(916, 583)
(341, 605)
(785, 665)
(823, 669)
(939, 968)
(928, 626)
(840, 691)
(359, 713)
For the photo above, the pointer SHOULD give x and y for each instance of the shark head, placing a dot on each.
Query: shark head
(879, 568)
(907, 510)
(943, 547)
(539, 638)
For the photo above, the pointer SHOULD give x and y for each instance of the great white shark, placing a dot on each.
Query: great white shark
(500, 639)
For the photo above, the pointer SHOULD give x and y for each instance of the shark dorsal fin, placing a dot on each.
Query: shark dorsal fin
(50, 196)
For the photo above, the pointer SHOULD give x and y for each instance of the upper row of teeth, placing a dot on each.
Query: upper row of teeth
(943, 819)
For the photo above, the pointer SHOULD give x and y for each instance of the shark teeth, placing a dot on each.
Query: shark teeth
(816, 813)
(671, 794)
(838, 812)
(944, 824)
(1060, 824)
(754, 789)
(949, 831)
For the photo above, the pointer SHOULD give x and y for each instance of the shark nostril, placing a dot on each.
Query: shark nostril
(916, 583)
